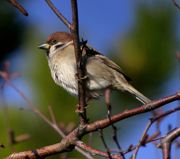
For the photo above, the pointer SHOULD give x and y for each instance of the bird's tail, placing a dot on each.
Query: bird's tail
(139, 96)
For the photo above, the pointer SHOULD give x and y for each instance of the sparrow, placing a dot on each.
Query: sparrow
(101, 73)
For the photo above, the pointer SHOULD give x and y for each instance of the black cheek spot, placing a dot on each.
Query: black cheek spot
(57, 46)
(56, 76)
(47, 53)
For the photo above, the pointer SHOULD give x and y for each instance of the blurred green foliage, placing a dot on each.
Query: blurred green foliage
(146, 55)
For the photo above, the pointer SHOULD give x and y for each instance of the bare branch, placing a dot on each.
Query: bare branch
(52, 115)
(131, 148)
(107, 99)
(107, 149)
(10, 132)
(17, 5)
(40, 153)
(94, 151)
(143, 139)
(63, 19)
(153, 136)
(80, 72)
(166, 142)
(66, 145)
(129, 113)
(6, 77)
(176, 4)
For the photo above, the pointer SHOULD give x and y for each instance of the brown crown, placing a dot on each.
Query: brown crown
(59, 36)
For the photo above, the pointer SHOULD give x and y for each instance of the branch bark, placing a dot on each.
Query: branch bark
(78, 53)
(166, 142)
(79, 65)
(94, 151)
(129, 113)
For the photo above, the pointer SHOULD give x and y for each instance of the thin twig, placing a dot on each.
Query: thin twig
(153, 106)
(63, 19)
(107, 99)
(176, 4)
(10, 132)
(166, 142)
(94, 151)
(5, 76)
(153, 136)
(66, 145)
(90, 139)
(101, 124)
(143, 139)
(52, 115)
(131, 148)
(105, 145)
(31, 104)
(17, 5)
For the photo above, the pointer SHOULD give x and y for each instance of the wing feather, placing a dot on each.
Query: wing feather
(89, 50)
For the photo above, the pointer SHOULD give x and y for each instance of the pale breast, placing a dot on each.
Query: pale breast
(63, 72)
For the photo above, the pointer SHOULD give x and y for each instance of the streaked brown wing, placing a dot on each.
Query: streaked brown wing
(89, 50)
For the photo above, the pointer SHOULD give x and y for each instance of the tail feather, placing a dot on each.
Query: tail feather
(139, 96)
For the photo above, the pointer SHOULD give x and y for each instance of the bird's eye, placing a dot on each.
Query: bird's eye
(54, 41)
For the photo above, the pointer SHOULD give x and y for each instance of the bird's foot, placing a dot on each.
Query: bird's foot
(79, 79)
(78, 110)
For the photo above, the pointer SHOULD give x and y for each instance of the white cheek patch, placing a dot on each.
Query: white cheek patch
(54, 49)
(67, 44)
